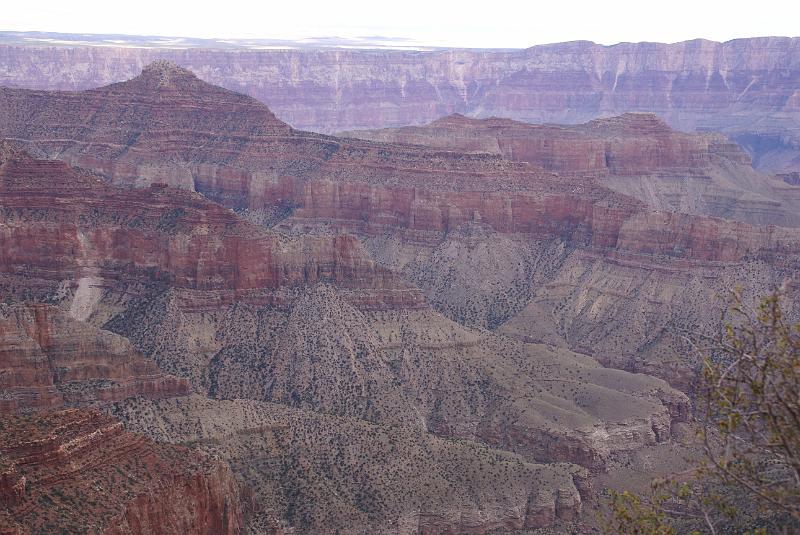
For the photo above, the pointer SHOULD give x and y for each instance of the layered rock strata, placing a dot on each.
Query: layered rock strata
(636, 154)
(237, 325)
(79, 471)
(409, 203)
(57, 221)
(49, 360)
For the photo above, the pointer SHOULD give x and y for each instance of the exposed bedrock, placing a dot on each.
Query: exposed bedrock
(124, 483)
(49, 359)
(635, 153)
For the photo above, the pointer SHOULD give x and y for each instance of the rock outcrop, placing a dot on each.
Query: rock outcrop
(328, 325)
(49, 359)
(234, 319)
(745, 88)
(80, 471)
(635, 153)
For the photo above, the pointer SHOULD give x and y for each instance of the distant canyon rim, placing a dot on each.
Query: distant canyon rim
(745, 88)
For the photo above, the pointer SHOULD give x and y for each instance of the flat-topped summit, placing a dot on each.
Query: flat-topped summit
(163, 73)
(631, 123)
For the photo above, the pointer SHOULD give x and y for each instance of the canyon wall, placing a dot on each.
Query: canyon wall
(49, 359)
(311, 324)
(634, 153)
(79, 471)
(408, 203)
(375, 364)
(104, 236)
(746, 88)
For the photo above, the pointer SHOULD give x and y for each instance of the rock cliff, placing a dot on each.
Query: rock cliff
(326, 474)
(306, 337)
(635, 153)
(745, 88)
(57, 221)
(48, 360)
(79, 471)
(237, 325)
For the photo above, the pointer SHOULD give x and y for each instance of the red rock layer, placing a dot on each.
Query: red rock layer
(628, 145)
(172, 130)
(58, 224)
(123, 482)
(48, 360)
(635, 154)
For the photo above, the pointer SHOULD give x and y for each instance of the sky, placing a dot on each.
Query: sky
(465, 23)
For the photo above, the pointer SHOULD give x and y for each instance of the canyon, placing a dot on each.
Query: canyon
(50, 360)
(234, 327)
(745, 88)
(576, 252)
(455, 328)
(79, 471)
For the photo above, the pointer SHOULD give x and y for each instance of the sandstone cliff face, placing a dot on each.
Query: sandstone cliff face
(79, 471)
(406, 202)
(728, 87)
(636, 154)
(361, 186)
(48, 360)
(304, 317)
(104, 236)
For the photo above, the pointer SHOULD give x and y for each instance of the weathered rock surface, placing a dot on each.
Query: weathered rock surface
(408, 367)
(636, 154)
(362, 186)
(49, 360)
(303, 316)
(746, 88)
(79, 471)
(629, 307)
(326, 474)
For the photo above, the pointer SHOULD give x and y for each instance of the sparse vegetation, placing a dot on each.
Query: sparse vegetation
(749, 476)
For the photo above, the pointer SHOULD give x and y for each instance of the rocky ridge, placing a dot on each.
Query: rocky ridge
(380, 360)
(339, 339)
(399, 365)
(97, 233)
(417, 201)
(326, 474)
(636, 154)
(49, 360)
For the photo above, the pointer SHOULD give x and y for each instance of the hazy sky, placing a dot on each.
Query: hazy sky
(466, 23)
